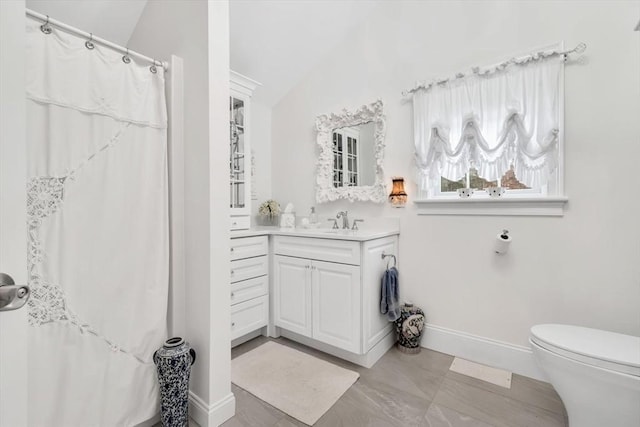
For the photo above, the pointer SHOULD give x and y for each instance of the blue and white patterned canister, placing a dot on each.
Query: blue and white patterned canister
(409, 327)
(173, 362)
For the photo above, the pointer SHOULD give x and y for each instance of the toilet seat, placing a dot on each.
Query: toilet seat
(608, 350)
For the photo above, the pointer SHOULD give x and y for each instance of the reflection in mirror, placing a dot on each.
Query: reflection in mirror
(353, 162)
(351, 154)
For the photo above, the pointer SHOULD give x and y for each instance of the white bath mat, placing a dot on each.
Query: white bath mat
(482, 372)
(296, 383)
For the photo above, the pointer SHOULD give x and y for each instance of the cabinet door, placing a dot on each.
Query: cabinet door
(336, 304)
(292, 294)
(240, 155)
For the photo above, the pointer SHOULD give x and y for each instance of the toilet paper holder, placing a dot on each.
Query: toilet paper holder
(503, 240)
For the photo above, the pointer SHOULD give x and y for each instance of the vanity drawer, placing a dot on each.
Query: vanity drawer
(248, 289)
(243, 269)
(240, 222)
(247, 247)
(342, 251)
(248, 316)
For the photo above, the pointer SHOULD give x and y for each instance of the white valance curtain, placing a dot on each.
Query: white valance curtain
(490, 120)
(97, 205)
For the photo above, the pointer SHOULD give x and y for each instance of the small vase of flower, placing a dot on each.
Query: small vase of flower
(269, 212)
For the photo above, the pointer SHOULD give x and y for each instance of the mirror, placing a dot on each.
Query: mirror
(351, 155)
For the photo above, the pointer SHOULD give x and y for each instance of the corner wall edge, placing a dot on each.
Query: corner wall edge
(214, 414)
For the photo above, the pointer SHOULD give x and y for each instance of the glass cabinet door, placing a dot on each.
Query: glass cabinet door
(237, 163)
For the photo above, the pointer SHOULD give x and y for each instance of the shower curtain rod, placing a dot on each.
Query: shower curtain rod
(581, 47)
(90, 37)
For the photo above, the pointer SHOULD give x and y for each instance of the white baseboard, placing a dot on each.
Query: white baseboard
(211, 415)
(150, 422)
(513, 358)
(367, 360)
(248, 337)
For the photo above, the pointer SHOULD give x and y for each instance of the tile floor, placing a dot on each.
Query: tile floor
(413, 390)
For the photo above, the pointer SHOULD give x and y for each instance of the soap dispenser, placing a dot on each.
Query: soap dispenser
(313, 216)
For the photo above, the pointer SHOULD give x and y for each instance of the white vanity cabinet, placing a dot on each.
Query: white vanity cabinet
(327, 291)
(318, 299)
(241, 89)
(249, 284)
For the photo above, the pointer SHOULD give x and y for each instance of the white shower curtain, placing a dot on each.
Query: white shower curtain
(98, 232)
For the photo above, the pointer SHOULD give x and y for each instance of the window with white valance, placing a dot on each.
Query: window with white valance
(491, 124)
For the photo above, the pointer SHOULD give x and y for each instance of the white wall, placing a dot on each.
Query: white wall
(108, 19)
(197, 31)
(581, 268)
(14, 395)
(221, 401)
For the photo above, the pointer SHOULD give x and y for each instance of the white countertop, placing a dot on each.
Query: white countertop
(320, 233)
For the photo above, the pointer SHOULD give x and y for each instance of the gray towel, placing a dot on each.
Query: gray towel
(389, 304)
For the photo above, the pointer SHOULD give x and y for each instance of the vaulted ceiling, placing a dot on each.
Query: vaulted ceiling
(275, 42)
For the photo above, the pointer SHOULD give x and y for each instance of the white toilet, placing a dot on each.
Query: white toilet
(596, 373)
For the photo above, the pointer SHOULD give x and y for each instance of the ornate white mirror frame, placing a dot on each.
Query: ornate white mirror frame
(325, 125)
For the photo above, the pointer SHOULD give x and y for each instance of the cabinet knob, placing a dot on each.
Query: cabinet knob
(232, 295)
(232, 272)
(233, 324)
(231, 249)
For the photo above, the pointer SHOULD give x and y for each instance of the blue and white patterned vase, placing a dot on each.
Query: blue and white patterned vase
(409, 327)
(173, 362)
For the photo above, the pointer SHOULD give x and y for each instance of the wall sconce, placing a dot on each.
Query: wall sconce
(398, 196)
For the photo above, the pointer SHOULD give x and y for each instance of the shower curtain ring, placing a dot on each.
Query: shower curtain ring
(153, 68)
(126, 59)
(89, 43)
(46, 28)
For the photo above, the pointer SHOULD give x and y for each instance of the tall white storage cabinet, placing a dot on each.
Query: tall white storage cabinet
(240, 154)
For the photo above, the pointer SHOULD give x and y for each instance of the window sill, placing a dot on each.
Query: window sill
(510, 206)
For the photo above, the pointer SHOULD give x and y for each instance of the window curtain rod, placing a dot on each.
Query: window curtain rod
(93, 39)
(485, 71)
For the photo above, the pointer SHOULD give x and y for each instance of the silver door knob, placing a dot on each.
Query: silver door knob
(12, 296)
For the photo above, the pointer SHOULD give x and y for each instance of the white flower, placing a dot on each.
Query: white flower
(269, 208)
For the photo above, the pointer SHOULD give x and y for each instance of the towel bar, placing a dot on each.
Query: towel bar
(384, 255)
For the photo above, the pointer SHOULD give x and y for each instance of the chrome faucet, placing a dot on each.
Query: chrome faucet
(345, 219)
